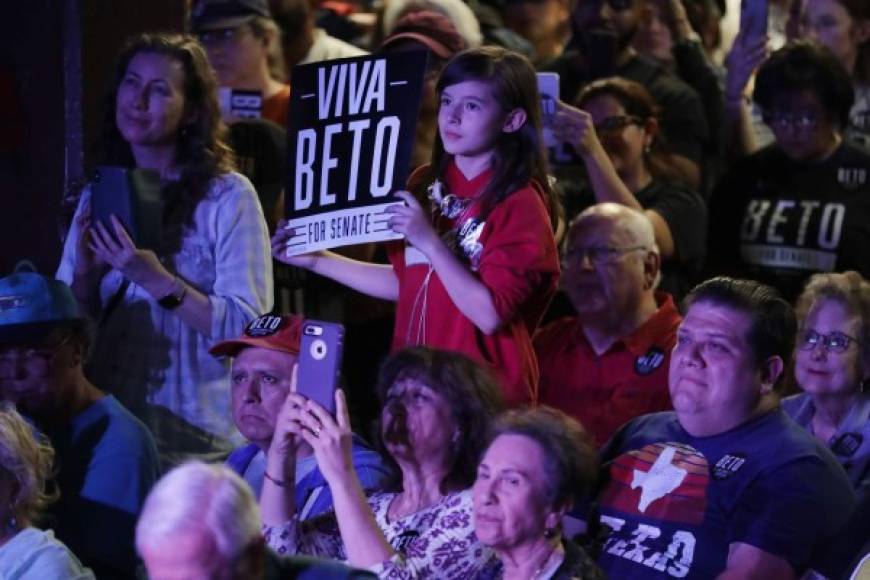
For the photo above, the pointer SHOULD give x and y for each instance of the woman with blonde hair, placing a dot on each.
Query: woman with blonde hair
(25, 463)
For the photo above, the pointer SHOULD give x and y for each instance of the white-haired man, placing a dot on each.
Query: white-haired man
(202, 521)
(609, 363)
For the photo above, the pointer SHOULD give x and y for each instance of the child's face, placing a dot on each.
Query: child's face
(470, 120)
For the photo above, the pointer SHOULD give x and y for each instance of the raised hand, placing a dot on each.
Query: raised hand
(116, 248)
(330, 437)
(575, 127)
(87, 262)
(741, 63)
(288, 427)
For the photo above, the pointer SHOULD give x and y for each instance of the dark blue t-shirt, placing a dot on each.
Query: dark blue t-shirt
(676, 502)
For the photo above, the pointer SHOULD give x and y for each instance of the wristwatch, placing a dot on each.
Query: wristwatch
(174, 297)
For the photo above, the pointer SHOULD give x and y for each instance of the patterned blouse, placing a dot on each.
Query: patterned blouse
(437, 542)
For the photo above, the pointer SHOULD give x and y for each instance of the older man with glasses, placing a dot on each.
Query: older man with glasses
(609, 363)
(106, 458)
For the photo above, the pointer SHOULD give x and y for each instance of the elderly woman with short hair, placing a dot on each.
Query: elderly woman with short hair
(832, 365)
(538, 463)
(25, 463)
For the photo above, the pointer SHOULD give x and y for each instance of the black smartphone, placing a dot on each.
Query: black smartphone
(134, 197)
(753, 20)
(320, 353)
(600, 49)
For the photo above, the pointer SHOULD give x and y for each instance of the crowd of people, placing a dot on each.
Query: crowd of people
(630, 333)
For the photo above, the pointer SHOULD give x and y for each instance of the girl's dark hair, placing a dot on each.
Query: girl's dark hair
(202, 151)
(520, 157)
(638, 102)
(570, 462)
(472, 392)
(806, 66)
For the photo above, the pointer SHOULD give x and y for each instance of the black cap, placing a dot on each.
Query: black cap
(220, 14)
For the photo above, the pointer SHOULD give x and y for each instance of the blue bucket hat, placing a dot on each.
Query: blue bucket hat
(31, 305)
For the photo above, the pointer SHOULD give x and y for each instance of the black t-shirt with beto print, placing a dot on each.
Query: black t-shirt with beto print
(779, 221)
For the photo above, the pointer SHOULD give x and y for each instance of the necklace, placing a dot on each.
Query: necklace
(450, 205)
(467, 229)
(550, 564)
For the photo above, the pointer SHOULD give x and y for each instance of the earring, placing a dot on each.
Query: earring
(550, 533)
(12, 523)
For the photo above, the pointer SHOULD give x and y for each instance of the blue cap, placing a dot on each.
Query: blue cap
(31, 304)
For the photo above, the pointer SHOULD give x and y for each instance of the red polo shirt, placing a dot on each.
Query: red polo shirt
(519, 265)
(603, 392)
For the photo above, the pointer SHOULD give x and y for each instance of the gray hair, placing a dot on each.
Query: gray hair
(633, 222)
(850, 290)
(199, 497)
(27, 457)
(570, 462)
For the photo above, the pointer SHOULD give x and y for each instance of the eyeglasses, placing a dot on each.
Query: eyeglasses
(221, 36)
(616, 123)
(28, 356)
(598, 255)
(802, 121)
(833, 342)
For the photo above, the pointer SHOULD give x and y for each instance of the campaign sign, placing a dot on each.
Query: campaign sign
(351, 132)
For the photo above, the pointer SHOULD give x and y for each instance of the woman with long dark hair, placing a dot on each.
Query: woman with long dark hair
(160, 310)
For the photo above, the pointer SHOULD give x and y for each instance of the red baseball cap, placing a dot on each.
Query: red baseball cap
(431, 29)
(281, 332)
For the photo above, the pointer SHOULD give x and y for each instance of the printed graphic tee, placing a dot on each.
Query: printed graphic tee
(675, 502)
(779, 221)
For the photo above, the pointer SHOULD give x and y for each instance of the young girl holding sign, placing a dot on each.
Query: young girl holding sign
(477, 272)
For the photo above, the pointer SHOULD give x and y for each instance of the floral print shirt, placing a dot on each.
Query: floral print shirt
(437, 542)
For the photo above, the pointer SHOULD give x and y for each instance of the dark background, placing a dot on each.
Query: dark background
(55, 59)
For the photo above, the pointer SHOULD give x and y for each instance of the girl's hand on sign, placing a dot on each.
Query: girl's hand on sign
(279, 249)
(410, 220)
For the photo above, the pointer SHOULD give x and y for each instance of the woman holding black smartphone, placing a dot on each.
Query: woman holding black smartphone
(160, 311)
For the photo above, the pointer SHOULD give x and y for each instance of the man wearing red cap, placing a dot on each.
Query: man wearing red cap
(264, 357)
